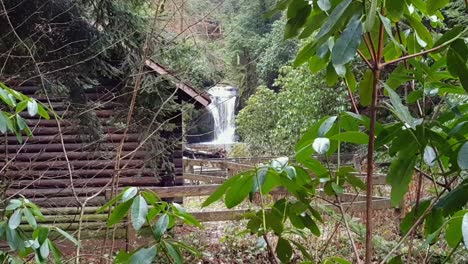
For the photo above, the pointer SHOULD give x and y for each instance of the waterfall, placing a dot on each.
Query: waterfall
(222, 107)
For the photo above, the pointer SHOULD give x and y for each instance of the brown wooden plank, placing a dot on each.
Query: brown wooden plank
(79, 183)
(82, 173)
(75, 164)
(130, 137)
(73, 155)
(55, 147)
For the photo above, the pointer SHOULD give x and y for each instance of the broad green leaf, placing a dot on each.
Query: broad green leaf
(32, 108)
(296, 21)
(305, 53)
(336, 260)
(321, 145)
(139, 212)
(400, 110)
(465, 230)
(326, 126)
(457, 57)
(429, 156)
(150, 197)
(324, 4)
(331, 75)
(129, 193)
(42, 112)
(345, 47)
(351, 137)
(14, 204)
(15, 219)
(220, 191)
(414, 96)
(119, 212)
(13, 239)
(350, 79)
(239, 190)
(355, 181)
(30, 218)
(161, 226)
(317, 64)
(454, 200)
(410, 218)
(283, 250)
(337, 188)
(44, 249)
(143, 256)
(450, 36)
(56, 252)
(433, 6)
(400, 175)
(452, 232)
(370, 19)
(67, 236)
(463, 157)
(173, 252)
(21, 106)
(395, 9)
(420, 29)
(365, 88)
(333, 19)
(396, 259)
(314, 21)
(388, 28)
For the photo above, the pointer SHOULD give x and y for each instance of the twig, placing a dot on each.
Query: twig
(407, 57)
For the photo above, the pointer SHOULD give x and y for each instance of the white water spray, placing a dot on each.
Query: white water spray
(222, 107)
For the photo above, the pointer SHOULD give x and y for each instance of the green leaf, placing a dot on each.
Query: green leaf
(296, 22)
(326, 125)
(129, 193)
(30, 218)
(220, 191)
(56, 252)
(42, 112)
(68, 236)
(239, 190)
(317, 64)
(139, 212)
(400, 110)
(388, 28)
(370, 19)
(283, 250)
(400, 175)
(433, 6)
(331, 76)
(345, 47)
(414, 96)
(337, 188)
(333, 19)
(396, 259)
(454, 200)
(451, 36)
(15, 219)
(429, 156)
(13, 239)
(336, 260)
(350, 79)
(351, 137)
(410, 218)
(305, 53)
(174, 253)
(109, 203)
(150, 197)
(452, 233)
(465, 229)
(365, 88)
(420, 29)
(311, 225)
(44, 249)
(395, 9)
(355, 181)
(14, 204)
(321, 145)
(161, 226)
(463, 157)
(32, 109)
(119, 212)
(324, 4)
(457, 57)
(21, 106)
(143, 256)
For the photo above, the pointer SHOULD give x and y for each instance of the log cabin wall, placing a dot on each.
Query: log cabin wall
(38, 167)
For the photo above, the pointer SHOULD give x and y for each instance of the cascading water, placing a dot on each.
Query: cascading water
(222, 107)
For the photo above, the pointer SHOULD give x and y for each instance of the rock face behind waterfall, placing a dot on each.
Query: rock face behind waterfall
(222, 108)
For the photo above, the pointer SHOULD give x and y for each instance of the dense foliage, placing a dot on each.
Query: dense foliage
(273, 121)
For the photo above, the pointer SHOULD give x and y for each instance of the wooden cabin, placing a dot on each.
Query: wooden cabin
(62, 165)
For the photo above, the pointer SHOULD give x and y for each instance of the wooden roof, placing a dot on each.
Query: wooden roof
(200, 97)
